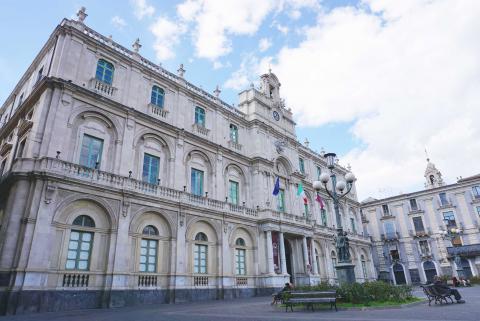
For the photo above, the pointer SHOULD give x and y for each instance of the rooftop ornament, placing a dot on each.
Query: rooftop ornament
(136, 45)
(81, 14)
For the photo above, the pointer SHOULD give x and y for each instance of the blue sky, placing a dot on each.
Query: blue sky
(372, 80)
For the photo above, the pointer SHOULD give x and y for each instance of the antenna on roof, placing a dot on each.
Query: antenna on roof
(426, 154)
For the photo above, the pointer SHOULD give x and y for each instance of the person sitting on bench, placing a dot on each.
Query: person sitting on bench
(278, 296)
(442, 287)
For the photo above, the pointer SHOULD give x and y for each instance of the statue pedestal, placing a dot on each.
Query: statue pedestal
(345, 273)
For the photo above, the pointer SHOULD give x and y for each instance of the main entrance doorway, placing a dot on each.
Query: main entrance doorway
(399, 274)
(288, 260)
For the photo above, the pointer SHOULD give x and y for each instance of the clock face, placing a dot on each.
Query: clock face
(276, 116)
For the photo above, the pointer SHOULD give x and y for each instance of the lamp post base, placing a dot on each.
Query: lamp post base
(345, 273)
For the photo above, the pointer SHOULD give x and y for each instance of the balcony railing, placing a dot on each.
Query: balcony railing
(147, 280)
(106, 179)
(464, 250)
(102, 88)
(75, 280)
(200, 281)
(202, 130)
(234, 145)
(390, 236)
(157, 112)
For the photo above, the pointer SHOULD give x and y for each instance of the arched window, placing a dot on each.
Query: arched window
(150, 230)
(200, 255)
(104, 71)
(80, 244)
(84, 220)
(240, 254)
(430, 271)
(334, 263)
(200, 116)
(240, 242)
(149, 250)
(233, 133)
(432, 179)
(157, 97)
(364, 267)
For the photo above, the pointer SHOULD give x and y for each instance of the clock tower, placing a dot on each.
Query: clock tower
(266, 105)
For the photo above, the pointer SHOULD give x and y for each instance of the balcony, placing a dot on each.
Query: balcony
(234, 145)
(464, 250)
(102, 88)
(415, 210)
(157, 112)
(388, 237)
(422, 233)
(475, 198)
(199, 129)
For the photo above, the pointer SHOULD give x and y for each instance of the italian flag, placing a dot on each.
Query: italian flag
(301, 193)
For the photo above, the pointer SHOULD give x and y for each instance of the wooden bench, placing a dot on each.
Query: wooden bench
(434, 294)
(309, 298)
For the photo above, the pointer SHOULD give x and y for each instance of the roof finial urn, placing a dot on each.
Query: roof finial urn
(217, 91)
(81, 14)
(306, 142)
(136, 45)
(181, 71)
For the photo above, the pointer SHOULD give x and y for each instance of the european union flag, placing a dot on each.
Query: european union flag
(276, 189)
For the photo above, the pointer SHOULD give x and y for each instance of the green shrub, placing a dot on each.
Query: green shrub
(475, 280)
(364, 293)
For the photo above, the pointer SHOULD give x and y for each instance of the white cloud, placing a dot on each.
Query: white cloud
(250, 67)
(281, 28)
(142, 9)
(406, 73)
(118, 22)
(167, 35)
(264, 44)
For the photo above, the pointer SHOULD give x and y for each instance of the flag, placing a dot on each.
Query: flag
(319, 199)
(301, 193)
(276, 189)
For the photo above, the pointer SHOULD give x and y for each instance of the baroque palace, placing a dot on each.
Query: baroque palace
(122, 183)
(435, 231)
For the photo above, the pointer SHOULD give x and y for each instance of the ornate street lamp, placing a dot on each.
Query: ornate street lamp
(451, 234)
(345, 268)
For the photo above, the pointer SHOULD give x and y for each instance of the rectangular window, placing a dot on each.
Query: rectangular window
(364, 269)
(394, 255)
(91, 152)
(443, 199)
(324, 217)
(352, 223)
(200, 116)
(301, 164)
(233, 133)
(319, 172)
(449, 219)
(233, 192)
(418, 225)
(151, 166)
(424, 248)
(2, 166)
(389, 230)
(21, 147)
(476, 191)
(334, 263)
(197, 182)
(281, 200)
(20, 100)
(305, 208)
(79, 249)
(240, 262)
(413, 204)
(148, 256)
(200, 259)
(386, 212)
(39, 75)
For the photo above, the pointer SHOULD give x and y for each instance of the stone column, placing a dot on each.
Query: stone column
(305, 253)
(270, 268)
(282, 254)
(314, 258)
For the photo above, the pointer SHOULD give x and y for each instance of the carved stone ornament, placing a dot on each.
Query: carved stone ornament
(280, 145)
(50, 190)
(182, 219)
(126, 206)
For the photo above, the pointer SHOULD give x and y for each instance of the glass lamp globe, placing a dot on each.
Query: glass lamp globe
(330, 158)
(349, 177)
(341, 185)
(317, 185)
(324, 178)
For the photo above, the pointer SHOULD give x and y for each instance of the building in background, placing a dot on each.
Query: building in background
(122, 183)
(430, 232)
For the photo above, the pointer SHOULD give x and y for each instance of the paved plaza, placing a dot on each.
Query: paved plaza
(253, 309)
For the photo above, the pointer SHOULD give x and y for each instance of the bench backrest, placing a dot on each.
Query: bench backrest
(437, 291)
(313, 294)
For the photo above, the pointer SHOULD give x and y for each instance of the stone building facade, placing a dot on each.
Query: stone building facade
(408, 231)
(122, 183)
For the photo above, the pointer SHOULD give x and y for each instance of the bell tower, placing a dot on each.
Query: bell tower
(433, 176)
